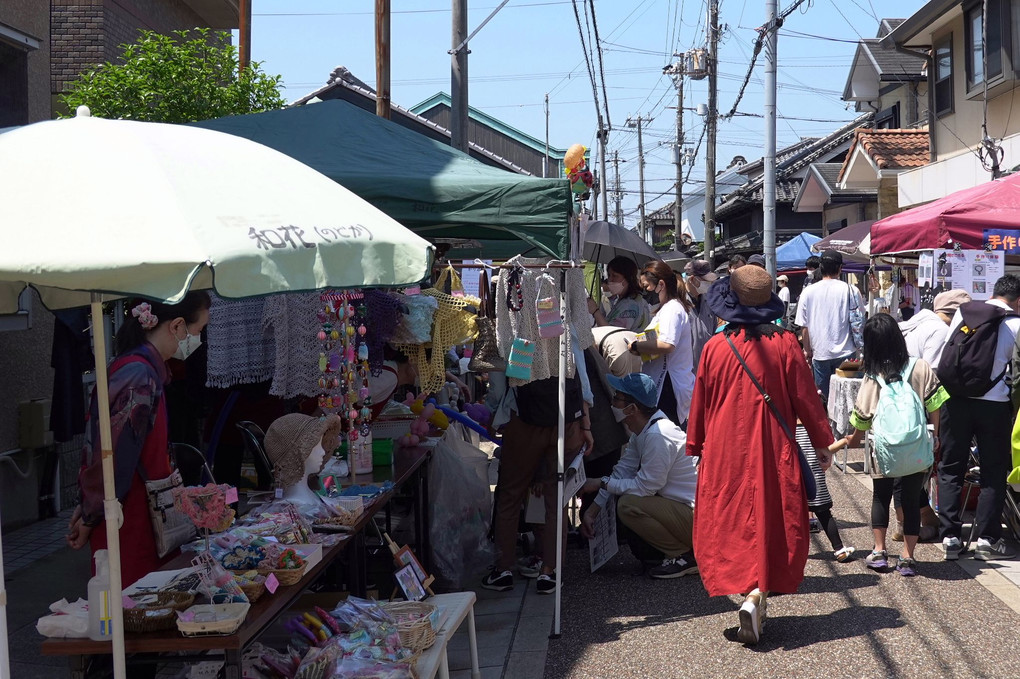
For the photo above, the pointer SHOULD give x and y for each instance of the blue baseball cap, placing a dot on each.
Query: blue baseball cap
(638, 386)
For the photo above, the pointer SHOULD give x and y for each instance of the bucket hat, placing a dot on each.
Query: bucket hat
(290, 440)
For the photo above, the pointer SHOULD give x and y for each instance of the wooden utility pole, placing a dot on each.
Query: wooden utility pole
(618, 193)
(642, 227)
(678, 149)
(382, 58)
(243, 34)
(712, 120)
(459, 77)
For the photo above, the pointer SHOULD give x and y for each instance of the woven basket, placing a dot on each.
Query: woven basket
(253, 590)
(158, 615)
(286, 576)
(414, 623)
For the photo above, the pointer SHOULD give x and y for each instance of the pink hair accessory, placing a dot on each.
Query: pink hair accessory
(147, 319)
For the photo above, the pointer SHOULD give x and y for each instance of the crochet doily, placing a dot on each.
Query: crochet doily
(524, 323)
(238, 352)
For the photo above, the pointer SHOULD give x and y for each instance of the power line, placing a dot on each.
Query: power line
(400, 11)
(848, 22)
(602, 70)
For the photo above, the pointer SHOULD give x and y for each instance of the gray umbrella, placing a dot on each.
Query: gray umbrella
(605, 241)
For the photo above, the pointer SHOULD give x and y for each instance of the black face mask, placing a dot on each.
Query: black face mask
(651, 297)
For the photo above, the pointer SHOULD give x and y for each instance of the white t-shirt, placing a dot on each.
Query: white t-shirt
(824, 309)
(784, 294)
(674, 327)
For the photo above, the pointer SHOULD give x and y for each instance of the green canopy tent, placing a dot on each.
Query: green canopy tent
(431, 188)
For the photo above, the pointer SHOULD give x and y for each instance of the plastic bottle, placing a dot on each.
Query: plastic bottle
(100, 618)
(363, 452)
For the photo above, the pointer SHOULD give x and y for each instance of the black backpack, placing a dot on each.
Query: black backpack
(966, 365)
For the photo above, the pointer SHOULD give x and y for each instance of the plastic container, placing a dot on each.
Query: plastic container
(362, 456)
(100, 617)
(382, 452)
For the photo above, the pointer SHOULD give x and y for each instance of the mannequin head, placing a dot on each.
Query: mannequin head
(296, 446)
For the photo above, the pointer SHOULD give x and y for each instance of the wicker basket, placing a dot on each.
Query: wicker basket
(415, 623)
(286, 576)
(253, 590)
(157, 615)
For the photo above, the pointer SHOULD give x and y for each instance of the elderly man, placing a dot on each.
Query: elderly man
(654, 479)
(925, 331)
(698, 278)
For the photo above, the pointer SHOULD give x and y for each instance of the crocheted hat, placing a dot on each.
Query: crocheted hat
(290, 440)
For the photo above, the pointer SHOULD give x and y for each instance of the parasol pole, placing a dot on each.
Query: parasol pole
(111, 506)
(5, 654)
(561, 449)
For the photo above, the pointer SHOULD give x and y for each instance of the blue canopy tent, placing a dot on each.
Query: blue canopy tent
(790, 256)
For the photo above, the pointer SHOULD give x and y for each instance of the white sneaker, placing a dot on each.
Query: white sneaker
(751, 618)
(988, 551)
(529, 566)
(952, 547)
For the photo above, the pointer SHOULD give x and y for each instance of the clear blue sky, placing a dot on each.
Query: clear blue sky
(533, 47)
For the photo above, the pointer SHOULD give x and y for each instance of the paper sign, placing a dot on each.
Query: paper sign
(272, 583)
(412, 291)
(231, 495)
(186, 616)
(127, 602)
(573, 478)
(603, 546)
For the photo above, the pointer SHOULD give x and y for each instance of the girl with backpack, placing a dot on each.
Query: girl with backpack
(894, 398)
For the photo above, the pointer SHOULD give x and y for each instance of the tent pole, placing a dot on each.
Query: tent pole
(5, 655)
(561, 449)
(111, 506)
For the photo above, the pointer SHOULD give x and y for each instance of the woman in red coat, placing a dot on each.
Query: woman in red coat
(751, 530)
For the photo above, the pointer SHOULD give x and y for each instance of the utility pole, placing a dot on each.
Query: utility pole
(243, 34)
(545, 160)
(618, 195)
(773, 22)
(642, 227)
(603, 136)
(712, 121)
(679, 157)
(459, 78)
(382, 58)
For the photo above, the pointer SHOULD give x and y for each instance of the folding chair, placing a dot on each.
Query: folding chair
(191, 463)
(253, 439)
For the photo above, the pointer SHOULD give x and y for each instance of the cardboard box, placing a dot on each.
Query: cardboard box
(34, 424)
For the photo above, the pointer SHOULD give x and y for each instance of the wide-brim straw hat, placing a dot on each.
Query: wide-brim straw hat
(746, 297)
(290, 440)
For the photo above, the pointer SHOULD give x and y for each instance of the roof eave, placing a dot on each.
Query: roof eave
(918, 21)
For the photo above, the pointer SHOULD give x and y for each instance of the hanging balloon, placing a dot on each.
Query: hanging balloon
(574, 156)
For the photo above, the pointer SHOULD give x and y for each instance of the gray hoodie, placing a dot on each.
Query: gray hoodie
(925, 334)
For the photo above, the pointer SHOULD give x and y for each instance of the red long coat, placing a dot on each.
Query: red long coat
(751, 515)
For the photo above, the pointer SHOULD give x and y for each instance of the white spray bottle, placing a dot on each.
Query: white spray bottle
(100, 617)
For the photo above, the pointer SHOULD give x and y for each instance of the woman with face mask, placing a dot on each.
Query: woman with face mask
(667, 347)
(629, 309)
(152, 334)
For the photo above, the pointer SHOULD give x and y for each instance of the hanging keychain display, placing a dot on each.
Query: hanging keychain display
(547, 308)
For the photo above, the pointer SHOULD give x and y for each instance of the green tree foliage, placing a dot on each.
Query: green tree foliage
(179, 78)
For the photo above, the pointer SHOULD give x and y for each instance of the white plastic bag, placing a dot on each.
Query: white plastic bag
(68, 620)
(461, 505)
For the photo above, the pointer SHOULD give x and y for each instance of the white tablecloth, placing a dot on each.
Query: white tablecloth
(842, 395)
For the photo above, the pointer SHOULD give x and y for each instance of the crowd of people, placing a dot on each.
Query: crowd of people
(719, 386)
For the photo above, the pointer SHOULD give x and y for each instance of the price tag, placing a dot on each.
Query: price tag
(279, 493)
(412, 291)
(272, 583)
(231, 495)
(127, 602)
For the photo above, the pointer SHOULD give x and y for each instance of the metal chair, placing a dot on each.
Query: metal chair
(191, 462)
(1010, 508)
(253, 439)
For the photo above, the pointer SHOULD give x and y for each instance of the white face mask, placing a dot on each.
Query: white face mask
(615, 289)
(618, 414)
(703, 286)
(187, 346)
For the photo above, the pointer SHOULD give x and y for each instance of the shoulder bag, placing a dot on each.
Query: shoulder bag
(170, 526)
(485, 354)
(805, 468)
(856, 318)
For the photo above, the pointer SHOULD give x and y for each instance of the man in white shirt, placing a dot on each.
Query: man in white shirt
(988, 418)
(925, 332)
(654, 479)
(784, 295)
(823, 314)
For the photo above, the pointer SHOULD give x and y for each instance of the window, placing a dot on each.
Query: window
(943, 76)
(13, 85)
(888, 119)
(980, 67)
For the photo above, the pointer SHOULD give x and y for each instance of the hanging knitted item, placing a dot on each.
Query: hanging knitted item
(384, 310)
(522, 352)
(547, 306)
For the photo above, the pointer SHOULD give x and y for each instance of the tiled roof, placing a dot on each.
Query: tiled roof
(891, 149)
(891, 63)
(788, 186)
(782, 155)
(829, 172)
(887, 26)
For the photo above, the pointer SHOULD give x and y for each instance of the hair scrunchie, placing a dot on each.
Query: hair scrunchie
(146, 319)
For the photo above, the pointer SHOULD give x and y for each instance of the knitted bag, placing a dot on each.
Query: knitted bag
(485, 356)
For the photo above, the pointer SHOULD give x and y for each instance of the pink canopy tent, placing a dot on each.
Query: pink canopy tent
(959, 218)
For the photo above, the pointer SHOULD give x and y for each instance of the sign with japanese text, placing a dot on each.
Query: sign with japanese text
(1003, 240)
(973, 271)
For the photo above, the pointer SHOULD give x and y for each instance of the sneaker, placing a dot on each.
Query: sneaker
(529, 566)
(952, 547)
(815, 525)
(906, 567)
(877, 560)
(843, 555)
(751, 616)
(546, 583)
(675, 567)
(990, 551)
(498, 581)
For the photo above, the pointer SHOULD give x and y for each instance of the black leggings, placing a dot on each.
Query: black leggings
(911, 510)
(829, 526)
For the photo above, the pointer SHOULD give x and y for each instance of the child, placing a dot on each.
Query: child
(885, 355)
(821, 506)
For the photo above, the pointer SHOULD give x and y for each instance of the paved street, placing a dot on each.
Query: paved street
(845, 621)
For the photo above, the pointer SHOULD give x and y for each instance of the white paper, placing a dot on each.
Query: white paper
(603, 546)
(155, 580)
(534, 511)
(573, 478)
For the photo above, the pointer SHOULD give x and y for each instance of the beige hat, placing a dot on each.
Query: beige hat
(782, 277)
(290, 440)
(949, 301)
(752, 285)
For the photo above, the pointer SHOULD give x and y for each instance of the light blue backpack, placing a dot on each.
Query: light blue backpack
(902, 445)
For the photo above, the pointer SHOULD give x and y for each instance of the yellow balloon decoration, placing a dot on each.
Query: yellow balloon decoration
(574, 156)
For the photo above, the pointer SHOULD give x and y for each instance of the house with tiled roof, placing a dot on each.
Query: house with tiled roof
(888, 82)
(740, 213)
(820, 193)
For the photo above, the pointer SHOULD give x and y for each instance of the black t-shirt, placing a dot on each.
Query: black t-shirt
(538, 403)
